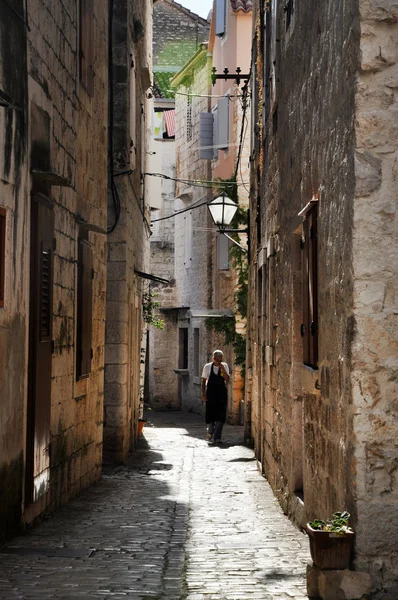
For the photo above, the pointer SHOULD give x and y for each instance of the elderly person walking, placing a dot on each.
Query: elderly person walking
(215, 377)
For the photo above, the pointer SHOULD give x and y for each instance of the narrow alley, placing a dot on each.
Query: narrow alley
(181, 520)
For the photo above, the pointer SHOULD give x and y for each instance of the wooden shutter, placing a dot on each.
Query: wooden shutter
(223, 123)
(206, 136)
(309, 327)
(215, 132)
(305, 274)
(222, 252)
(220, 17)
(45, 292)
(84, 310)
(87, 45)
(2, 254)
(313, 288)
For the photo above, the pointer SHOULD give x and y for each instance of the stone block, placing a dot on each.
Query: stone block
(115, 373)
(368, 173)
(116, 354)
(312, 580)
(343, 585)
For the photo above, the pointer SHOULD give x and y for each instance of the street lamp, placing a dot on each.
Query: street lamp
(222, 210)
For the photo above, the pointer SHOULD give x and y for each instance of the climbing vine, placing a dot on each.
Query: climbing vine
(227, 325)
(149, 307)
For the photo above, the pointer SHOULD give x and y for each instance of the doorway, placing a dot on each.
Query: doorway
(40, 349)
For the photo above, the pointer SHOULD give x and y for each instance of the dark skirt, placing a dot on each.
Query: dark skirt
(216, 405)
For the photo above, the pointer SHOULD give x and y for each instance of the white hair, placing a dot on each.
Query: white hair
(218, 352)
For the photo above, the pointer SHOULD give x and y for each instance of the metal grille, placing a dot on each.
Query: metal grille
(45, 297)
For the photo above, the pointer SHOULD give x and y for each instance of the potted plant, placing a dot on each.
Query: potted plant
(141, 423)
(331, 541)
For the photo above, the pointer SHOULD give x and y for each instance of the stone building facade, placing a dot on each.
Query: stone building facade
(129, 223)
(205, 281)
(53, 181)
(177, 33)
(322, 357)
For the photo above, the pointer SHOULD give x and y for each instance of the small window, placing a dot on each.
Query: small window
(220, 23)
(86, 45)
(2, 254)
(309, 327)
(84, 308)
(183, 348)
(196, 350)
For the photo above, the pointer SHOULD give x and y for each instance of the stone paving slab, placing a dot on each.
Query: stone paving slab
(181, 521)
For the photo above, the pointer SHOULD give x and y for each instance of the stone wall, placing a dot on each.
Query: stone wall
(375, 251)
(302, 424)
(163, 383)
(193, 231)
(59, 128)
(326, 437)
(178, 34)
(14, 314)
(128, 249)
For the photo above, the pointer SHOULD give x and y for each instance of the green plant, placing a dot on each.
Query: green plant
(337, 524)
(227, 325)
(148, 308)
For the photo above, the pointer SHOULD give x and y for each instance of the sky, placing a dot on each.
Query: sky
(199, 7)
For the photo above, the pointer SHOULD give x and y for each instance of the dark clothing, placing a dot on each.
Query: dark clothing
(217, 398)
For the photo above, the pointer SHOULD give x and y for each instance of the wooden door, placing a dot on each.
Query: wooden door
(40, 349)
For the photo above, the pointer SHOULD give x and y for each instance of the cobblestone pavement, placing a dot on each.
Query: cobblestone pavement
(181, 521)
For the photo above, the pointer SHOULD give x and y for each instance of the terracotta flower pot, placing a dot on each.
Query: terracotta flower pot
(330, 550)
(141, 423)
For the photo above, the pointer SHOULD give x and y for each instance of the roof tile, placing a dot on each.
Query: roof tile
(245, 5)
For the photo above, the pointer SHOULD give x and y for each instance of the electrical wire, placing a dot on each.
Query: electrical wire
(145, 220)
(240, 164)
(242, 129)
(181, 211)
(195, 182)
(205, 95)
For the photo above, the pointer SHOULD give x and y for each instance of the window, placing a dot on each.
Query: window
(189, 117)
(86, 45)
(206, 136)
(84, 307)
(214, 130)
(196, 355)
(288, 13)
(223, 123)
(2, 254)
(222, 252)
(273, 66)
(220, 23)
(183, 348)
(309, 327)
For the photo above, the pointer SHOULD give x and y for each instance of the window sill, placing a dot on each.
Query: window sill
(182, 372)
